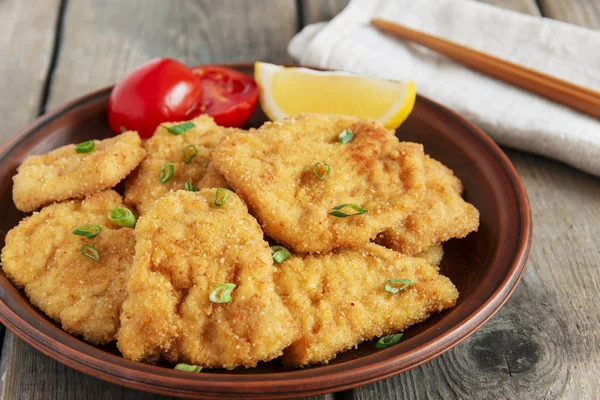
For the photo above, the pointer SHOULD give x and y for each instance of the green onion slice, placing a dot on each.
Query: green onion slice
(191, 188)
(122, 216)
(90, 252)
(179, 129)
(166, 172)
(188, 367)
(337, 210)
(222, 293)
(188, 156)
(279, 253)
(85, 147)
(88, 231)
(404, 283)
(221, 197)
(325, 168)
(386, 341)
(346, 135)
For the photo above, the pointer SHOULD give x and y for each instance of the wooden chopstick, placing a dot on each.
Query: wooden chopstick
(558, 90)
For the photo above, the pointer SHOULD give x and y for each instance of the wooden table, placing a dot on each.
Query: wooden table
(544, 343)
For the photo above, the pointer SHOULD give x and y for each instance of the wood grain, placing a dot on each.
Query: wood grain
(25, 56)
(26, 41)
(543, 343)
(579, 12)
(324, 10)
(102, 41)
(105, 39)
(38, 377)
(321, 10)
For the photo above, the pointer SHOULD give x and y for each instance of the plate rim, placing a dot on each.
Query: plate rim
(303, 385)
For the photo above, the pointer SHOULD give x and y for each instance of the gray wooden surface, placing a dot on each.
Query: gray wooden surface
(543, 344)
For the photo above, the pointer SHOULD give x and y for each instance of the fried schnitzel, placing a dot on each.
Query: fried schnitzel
(432, 255)
(441, 215)
(293, 173)
(43, 256)
(212, 179)
(339, 300)
(187, 246)
(189, 152)
(64, 173)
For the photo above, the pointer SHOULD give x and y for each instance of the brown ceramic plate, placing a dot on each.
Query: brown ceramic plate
(485, 266)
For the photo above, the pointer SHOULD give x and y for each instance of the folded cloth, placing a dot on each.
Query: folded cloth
(511, 116)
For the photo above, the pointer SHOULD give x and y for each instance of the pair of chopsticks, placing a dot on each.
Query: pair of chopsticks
(558, 90)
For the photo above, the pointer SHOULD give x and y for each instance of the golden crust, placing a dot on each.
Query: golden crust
(339, 300)
(432, 255)
(43, 256)
(142, 188)
(441, 216)
(186, 247)
(65, 174)
(213, 179)
(271, 170)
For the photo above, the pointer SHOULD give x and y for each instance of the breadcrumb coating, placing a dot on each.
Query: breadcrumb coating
(42, 256)
(272, 170)
(339, 300)
(143, 187)
(64, 174)
(432, 255)
(441, 215)
(187, 246)
(213, 179)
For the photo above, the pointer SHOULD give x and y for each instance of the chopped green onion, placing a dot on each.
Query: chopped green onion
(122, 216)
(387, 341)
(89, 231)
(179, 129)
(221, 194)
(166, 172)
(187, 158)
(404, 283)
(322, 175)
(222, 293)
(191, 188)
(85, 147)
(279, 253)
(345, 136)
(188, 367)
(90, 252)
(336, 212)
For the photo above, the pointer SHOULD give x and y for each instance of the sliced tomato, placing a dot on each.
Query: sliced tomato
(160, 90)
(227, 95)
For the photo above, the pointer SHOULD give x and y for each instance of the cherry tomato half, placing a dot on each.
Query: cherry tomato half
(160, 90)
(228, 95)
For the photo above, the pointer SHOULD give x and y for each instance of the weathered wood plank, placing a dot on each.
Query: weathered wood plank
(103, 40)
(26, 42)
(543, 342)
(32, 375)
(25, 55)
(321, 10)
(324, 10)
(579, 12)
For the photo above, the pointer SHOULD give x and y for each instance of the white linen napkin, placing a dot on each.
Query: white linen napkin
(511, 116)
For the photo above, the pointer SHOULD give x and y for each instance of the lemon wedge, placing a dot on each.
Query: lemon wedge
(286, 92)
